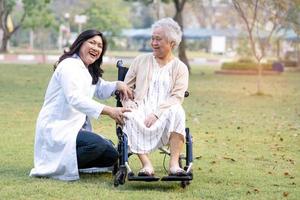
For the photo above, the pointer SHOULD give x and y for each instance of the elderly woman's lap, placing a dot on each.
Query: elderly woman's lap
(144, 140)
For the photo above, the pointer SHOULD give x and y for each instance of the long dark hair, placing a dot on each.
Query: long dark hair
(94, 68)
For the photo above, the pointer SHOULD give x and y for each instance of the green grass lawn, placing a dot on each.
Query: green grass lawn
(245, 146)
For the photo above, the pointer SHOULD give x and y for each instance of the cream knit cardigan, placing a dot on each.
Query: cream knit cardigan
(139, 76)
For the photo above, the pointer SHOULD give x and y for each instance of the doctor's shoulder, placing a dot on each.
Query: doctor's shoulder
(70, 63)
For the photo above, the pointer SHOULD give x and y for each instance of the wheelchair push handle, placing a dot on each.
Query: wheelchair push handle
(186, 94)
(120, 64)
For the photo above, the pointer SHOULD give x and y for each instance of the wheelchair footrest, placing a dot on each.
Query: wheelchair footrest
(132, 177)
(177, 178)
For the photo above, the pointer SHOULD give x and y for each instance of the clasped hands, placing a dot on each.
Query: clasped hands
(118, 113)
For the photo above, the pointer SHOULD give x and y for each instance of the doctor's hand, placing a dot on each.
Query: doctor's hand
(116, 113)
(126, 92)
(150, 120)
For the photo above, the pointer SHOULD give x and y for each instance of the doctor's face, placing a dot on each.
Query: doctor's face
(91, 50)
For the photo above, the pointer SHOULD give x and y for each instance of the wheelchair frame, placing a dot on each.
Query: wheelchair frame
(122, 169)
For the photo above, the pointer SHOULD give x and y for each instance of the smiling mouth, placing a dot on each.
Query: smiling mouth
(93, 54)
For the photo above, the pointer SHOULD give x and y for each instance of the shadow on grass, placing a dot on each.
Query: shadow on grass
(154, 186)
(261, 94)
(96, 179)
(108, 179)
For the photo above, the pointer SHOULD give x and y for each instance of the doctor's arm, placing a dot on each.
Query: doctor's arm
(106, 89)
(74, 89)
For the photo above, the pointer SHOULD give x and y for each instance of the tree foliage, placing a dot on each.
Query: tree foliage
(293, 16)
(28, 10)
(109, 16)
(40, 17)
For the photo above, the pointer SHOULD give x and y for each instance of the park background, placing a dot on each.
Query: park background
(243, 109)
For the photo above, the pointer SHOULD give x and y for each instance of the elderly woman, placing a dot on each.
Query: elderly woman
(159, 80)
(64, 141)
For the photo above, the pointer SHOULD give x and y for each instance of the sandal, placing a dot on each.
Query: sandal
(177, 171)
(146, 171)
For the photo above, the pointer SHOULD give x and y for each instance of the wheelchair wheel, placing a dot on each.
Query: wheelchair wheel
(120, 177)
(183, 184)
(115, 169)
(116, 182)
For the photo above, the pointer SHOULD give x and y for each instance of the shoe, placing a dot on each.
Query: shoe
(146, 171)
(177, 171)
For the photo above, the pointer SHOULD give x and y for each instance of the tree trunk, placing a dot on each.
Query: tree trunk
(6, 33)
(278, 50)
(4, 12)
(297, 51)
(182, 55)
(3, 23)
(3, 48)
(259, 79)
(31, 40)
(179, 5)
(157, 8)
(4, 38)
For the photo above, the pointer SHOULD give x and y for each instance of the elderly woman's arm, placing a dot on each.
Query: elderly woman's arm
(130, 80)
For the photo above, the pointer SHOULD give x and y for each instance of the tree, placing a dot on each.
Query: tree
(261, 19)
(39, 20)
(210, 14)
(293, 21)
(293, 15)
(179, 5)
(142, 17)
(109, 16)
(6, 10)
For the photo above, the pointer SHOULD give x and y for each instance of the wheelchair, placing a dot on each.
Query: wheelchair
(122, 169)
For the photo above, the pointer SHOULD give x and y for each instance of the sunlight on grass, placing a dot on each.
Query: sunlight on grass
(245, 146)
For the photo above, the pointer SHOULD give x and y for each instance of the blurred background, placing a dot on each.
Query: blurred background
(214, 30)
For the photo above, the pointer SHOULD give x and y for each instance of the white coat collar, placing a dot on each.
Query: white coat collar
(76, 56)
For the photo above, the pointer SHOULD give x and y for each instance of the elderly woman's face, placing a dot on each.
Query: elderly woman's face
(91, 50)
(160, 44)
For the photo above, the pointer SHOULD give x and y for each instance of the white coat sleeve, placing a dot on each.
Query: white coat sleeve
(105, 89)
(76, 91)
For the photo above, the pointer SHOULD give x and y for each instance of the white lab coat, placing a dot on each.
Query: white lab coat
(68, 100)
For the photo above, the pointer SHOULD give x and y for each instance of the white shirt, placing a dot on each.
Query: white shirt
(68, 100)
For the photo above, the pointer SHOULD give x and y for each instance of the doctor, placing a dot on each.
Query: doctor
(64, 141)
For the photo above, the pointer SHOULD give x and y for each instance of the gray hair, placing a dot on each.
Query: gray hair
(171, 29)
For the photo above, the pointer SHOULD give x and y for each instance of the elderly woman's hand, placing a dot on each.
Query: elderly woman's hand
(150, 120)
(126, 92)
